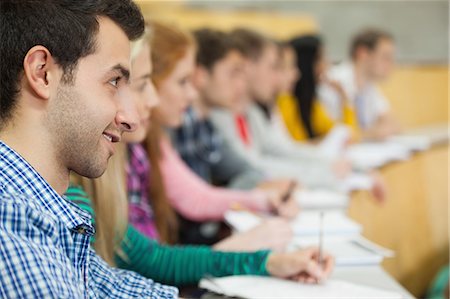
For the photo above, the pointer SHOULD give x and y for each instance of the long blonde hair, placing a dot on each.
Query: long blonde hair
(109, 201)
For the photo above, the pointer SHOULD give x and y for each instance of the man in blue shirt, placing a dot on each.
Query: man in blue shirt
(63, 104)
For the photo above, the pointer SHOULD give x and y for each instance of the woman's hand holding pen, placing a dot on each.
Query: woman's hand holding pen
(302, 265)
(284, 202)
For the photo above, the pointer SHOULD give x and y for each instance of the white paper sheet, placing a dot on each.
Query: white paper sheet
(306, 224)
(321, 199)
(366, 156)
(353, 251)
(254, 287)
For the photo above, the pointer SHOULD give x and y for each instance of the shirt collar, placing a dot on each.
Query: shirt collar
(19, 179)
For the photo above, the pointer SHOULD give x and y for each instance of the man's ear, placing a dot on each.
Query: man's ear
(362, 53)
(200, 76)
(40, 71)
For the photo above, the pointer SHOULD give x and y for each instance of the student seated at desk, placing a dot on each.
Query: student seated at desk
(372, 59)
(127, 232)
(64, 105)
(304, 115)
(244, 125)
(192, 198)
(217, 78)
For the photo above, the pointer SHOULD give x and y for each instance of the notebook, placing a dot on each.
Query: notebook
(353, 251)
(356, 181)
(321, 199)
(411, 142)
(307, 223)
(366, 156)
(255, 287)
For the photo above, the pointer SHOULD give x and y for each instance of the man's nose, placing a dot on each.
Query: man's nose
(127, 116)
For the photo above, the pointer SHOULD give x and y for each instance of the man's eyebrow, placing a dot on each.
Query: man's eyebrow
(125, 72)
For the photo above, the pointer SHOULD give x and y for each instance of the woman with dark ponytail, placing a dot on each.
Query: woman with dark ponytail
(303, 114)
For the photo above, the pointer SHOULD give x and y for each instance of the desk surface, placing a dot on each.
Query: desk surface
(373, 276)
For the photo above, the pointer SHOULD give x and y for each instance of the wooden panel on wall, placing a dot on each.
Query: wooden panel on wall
(418, 94)
(414, 219)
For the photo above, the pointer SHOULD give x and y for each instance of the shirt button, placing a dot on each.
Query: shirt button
(81, 230)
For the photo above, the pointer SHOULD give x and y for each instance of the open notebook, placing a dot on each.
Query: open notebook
(254, 287)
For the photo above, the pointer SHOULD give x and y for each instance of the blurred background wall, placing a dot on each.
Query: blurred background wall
(418, 88)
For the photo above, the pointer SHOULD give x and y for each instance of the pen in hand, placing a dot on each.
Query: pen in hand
(289, 191)
(320, 258)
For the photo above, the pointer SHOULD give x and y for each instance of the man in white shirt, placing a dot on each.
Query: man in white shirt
(372, 54)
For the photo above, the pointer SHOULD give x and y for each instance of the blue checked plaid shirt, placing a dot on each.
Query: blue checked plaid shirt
(198, 144)
(44, 244)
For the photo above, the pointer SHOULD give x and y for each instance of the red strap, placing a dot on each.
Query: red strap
(243, 130)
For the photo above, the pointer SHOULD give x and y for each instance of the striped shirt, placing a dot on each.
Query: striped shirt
(44, 244)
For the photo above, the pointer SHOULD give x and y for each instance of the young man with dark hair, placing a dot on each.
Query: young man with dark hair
(64, 103)
(372, 54)
(219, 80)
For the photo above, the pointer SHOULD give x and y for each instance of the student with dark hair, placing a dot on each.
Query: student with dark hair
(304, 115)
(218, 78)
(63, 104)
(372, 54)
(248, 129)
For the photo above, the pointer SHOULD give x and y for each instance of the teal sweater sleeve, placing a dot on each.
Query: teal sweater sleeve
(175, 265)
(184, 265)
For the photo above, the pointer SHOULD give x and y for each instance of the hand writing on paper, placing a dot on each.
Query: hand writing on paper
(281, 197)
(302, 265)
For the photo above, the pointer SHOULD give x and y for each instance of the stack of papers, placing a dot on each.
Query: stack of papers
(411, 142)
(356, 181)
(367, 156)
(321, 199)
(254, 287)
(334, 223)
(353, 251)
(306, 224)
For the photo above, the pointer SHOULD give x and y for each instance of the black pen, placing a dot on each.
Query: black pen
(288, 193)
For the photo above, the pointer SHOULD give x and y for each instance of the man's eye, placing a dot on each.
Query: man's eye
(114, 82)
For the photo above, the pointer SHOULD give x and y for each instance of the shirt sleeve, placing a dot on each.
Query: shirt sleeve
(195, 199)
(380, 103)
(234, 170)
(34, 264)
(31, 266)
(185, 265)
(289, 111)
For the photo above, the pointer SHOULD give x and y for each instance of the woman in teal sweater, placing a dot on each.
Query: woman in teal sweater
(175, 265)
